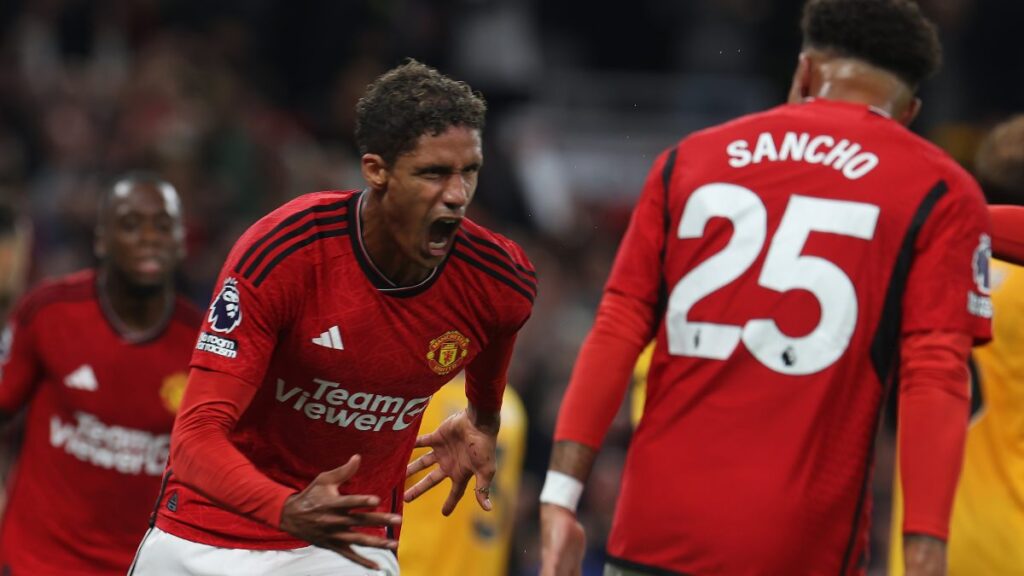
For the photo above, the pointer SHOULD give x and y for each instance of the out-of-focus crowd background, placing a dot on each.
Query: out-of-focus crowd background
(243, 104)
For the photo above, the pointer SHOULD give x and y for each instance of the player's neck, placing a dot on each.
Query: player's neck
(849, 80)
(383, 252)
(134, 312)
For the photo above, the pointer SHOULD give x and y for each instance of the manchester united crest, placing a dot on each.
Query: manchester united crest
(447, 351)
(172, 391)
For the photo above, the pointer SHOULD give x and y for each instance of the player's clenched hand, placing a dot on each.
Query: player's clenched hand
(924, 555)
(461, 449)
(563, 542)
(322, 516)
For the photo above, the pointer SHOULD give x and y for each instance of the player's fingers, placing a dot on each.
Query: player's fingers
(454, 495)
(341, 474)
(421, 463)
(426, 483)
(424, 440)
(361, 560)
(483, 492)
(372, 519)
(360, 539)
(343, 504)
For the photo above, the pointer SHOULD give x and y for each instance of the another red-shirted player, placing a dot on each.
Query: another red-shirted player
(790, 264)
(100, 359)
(338, 316)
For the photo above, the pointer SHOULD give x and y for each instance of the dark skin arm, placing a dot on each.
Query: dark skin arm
(924, 555)
(563, 541)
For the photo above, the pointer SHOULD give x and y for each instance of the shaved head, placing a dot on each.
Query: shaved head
(999, 163)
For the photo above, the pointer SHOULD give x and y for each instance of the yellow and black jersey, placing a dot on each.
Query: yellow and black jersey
(987, 529)
(470, 541)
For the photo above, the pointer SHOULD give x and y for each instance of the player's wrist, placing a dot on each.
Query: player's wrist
(562, 490)
(484, 420)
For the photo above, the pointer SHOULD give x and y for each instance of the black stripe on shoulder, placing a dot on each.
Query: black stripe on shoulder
(56, 293)
(642, 568)
(497, 250)
(318, 235)
(464, 256)
(323, 221)
(286, 223)
(528, 282)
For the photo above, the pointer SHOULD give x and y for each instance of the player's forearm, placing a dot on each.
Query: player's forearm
(203, 456)
(603, 369)
(934, 408)
(573, 459)
(488, 421)
(1008, 233)
(486, 376)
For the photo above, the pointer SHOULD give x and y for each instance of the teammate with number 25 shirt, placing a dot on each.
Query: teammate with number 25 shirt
(789, 264)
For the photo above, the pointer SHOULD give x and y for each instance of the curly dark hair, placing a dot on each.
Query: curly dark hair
(891, 34)
(409, 101)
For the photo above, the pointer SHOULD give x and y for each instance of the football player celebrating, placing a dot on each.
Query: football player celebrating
(338, 316)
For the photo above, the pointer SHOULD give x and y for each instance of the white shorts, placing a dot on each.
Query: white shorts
(163, 554)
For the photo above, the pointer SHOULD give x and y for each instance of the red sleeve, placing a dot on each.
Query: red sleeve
(20, 371)
(487, 375)
(934, 409)
(204, 458)
(947, 289)
(240, 329)
(603, 369)
(624, 322)
(637, 268)
(1008, 233)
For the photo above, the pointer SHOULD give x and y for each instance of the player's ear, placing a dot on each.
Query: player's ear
(375, 171)
(913, 109)
(802, 78)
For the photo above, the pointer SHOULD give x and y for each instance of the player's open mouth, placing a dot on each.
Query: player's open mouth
(440, 235)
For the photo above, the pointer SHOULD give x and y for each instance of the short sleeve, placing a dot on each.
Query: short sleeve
(637, 269)
(948, 285)
(240, 330)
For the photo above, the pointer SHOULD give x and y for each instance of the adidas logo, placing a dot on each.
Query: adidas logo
(330, 339)
(82, 379)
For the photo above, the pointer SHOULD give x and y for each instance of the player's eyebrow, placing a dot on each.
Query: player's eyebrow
(445, 169)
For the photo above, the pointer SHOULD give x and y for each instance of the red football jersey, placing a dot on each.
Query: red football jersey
(100, 410)
(344, 361)
(786, 251)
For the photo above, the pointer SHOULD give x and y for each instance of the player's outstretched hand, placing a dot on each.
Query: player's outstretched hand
(324, 517)
(563, 542)
(924, 555)
(461, 450)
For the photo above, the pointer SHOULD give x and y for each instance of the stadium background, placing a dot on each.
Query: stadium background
(243, 104)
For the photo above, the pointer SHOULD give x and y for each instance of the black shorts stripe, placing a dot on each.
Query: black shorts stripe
(319, 235)
(294, 233)
(497, 250)
(642, 568)
(527, 282)
(286, 223)
(461, 255)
